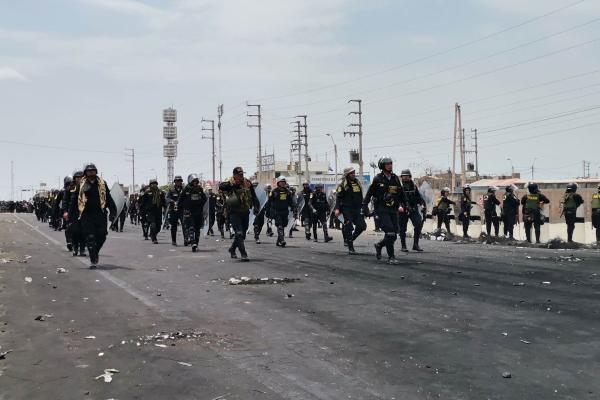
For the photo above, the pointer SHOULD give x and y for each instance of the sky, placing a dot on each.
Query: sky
(81, 80)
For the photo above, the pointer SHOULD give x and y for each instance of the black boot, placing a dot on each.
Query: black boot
(404, 249)
(378, 248)
(351, 247)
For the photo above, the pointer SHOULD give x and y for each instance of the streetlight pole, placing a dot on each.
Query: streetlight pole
(336, 156)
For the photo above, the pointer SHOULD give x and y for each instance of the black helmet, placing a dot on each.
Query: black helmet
(67, 180)
(492, 189)
(77, 174)
(572, 187)
(532, 187)
(90, 167)
(177, 178)
(383, 161)
(510, 188)
(406, 172)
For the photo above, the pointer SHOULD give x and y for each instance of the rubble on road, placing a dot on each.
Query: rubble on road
(159, 339)
(61, 270)
(43, 317)
(3, 354)
(570, 258)
(108, 374)
(244, 280)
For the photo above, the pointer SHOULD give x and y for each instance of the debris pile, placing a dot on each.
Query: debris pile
(161, 338)
(570, 258)
(244, 280)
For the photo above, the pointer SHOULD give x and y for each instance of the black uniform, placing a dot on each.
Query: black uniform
(491, 216)
(532, 213)
(92, 218)
(510, 213)
(281, 204)
(241, 197)
(174, 212)
(411, 212)
(142, 212)
(320, 209)
(212, 208)
(191, 203)
(220, 213)
(349, 199)
(389, 196)
(596, 214)
(466, 205)
(306, 212)
(443, 209)
(154, 205)
(571, 202)
(73, 225)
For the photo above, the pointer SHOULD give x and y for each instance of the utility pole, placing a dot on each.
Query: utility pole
(12, 181)
(533, 169)
(459, 138)
(258, 115)
(131, 159)
(170, 134)
(305, 143)
(336, 156)
(219, 115)
(474, 131)
(586, 169)
(297, 145)
(212, 137)
(360, 134)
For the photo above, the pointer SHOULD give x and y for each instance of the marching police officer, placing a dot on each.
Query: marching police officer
(281, 204)
(154, 207)
(93, 200)
(220, 213)
(491, 216)
(212, 208)
(240, 199)
(571, 202)
(466, 205)
(142, 211)
(72, 217)
(173, 209)
(348, 203)
(191, 203)
(320, 208)
(510, 212)
(305, 212)
(390, 200)
(596, 214)
(443, 209)
(414, 200)
(532, 211)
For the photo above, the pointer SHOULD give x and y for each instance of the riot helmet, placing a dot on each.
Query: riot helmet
(383, 162)
(192, 178)
(532, 187)
(571, 187)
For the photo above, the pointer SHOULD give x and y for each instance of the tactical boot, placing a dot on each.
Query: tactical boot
(244, 257)
(70, 246)
(315, 239)
(174, 243)
(378, 248)
(404, 249)
(416, 247)
(392, 261)
(232, 252)
(194, 248)
(351, 247)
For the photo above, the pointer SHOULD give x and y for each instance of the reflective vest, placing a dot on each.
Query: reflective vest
(596, 200)
(533, 202)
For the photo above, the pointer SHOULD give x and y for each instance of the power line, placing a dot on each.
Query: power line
(421, 59)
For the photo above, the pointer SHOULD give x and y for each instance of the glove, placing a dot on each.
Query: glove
(365, 210)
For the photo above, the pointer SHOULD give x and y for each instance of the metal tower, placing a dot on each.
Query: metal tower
(170, 133)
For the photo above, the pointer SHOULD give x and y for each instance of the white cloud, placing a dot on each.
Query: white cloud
(125, 6)
(7, 73)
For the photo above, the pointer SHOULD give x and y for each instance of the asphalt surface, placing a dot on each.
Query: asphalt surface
(444, 324)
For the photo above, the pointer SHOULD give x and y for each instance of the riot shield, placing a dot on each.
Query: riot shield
(298, 205)
(204, 230)
(261, 194)
(116, 192)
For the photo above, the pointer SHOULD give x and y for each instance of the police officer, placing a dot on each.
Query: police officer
(491, 216)
(320, 209)
(281, 204)
(596, 214)
(412, 212)
(259, 221)
(72, 218)
(59, 207)
(240, 199)
(348, 203)
(212, 207)
(142, 212)
(510, 212)
(173, 209)
(93, 200)
(191, 203)
(305, 212)
(154, 207)
(571, 202)
(443, 209)
(390, 200)
(133, 209)
(220, 212)
(466, 205)
(532, 211)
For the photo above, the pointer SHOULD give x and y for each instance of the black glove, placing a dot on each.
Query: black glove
(365, 210)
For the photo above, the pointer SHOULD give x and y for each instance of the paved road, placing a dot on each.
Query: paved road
(444, 324)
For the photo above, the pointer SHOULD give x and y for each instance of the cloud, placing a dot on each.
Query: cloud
(7, 73)
(125, 6)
